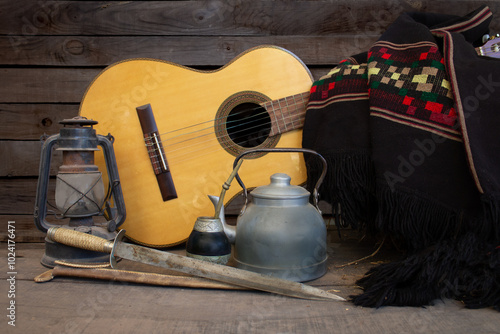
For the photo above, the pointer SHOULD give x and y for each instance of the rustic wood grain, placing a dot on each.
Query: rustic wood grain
(22, 158)
(17, 195)
(73, 305)
(25, 229)
(319, 32)
(31, 121)
(237, 17)
(208, 18)
(45, 85)
(186, 50)
(58, 85)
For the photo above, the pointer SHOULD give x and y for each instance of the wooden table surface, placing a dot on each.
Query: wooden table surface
(74, 305)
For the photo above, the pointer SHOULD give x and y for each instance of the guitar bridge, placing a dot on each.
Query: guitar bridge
(156, 152)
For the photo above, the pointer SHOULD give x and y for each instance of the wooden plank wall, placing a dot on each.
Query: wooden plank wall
(51, 50)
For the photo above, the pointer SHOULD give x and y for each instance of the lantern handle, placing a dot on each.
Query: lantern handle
(43, 181)
(118, 217)
(42, 185)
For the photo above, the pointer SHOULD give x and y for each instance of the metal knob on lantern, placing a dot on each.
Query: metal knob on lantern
(80, 198)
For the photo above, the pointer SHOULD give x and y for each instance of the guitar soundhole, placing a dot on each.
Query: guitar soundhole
(248, 125)
(242, 123)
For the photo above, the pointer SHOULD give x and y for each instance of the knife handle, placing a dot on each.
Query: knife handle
(79, 240)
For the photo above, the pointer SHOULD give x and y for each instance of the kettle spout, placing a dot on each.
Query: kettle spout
(229, 230)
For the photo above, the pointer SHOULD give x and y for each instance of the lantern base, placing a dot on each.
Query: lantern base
(55, 251)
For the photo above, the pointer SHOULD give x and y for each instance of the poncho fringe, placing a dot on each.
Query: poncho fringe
(413, 153)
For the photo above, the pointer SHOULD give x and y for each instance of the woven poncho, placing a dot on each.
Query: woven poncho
(411, 133)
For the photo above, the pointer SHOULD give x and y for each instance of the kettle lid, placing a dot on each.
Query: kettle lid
(280, 187)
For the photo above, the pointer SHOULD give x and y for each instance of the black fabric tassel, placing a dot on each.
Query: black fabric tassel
(465, 269)
(490, 228)
(419, 221)
(413, 152)
(348, 186)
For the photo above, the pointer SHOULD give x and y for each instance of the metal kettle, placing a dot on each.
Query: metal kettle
(279, 232)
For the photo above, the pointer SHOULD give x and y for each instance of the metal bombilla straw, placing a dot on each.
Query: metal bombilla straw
(208, 240)
(225, 187)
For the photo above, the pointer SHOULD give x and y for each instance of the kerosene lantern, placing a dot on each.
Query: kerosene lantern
(81, 202)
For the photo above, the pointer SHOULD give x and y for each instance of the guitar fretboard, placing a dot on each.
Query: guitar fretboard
(287, 113)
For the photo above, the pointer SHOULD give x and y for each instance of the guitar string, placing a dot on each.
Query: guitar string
(261, 117)
(205, 122)
(201, 146)
(201, 152)
(172, 156)
(176, 159)
(265, 112)
(292, 116)
(302, 95)
(207, 128)
(243, 125)
(251, 119)
(257, 127)
(204, 135)
(485, 51)
(197, 141)
(182, 155)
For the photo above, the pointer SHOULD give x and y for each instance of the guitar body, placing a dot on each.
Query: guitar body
(191, 109)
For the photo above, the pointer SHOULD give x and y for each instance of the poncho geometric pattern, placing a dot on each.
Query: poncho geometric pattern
(410, 131)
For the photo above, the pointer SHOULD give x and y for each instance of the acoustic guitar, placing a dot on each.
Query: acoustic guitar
(178, 130)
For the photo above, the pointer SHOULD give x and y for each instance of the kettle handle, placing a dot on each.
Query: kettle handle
(284, 150)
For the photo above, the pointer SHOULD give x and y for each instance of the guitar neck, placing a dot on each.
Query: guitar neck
(287, 113)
